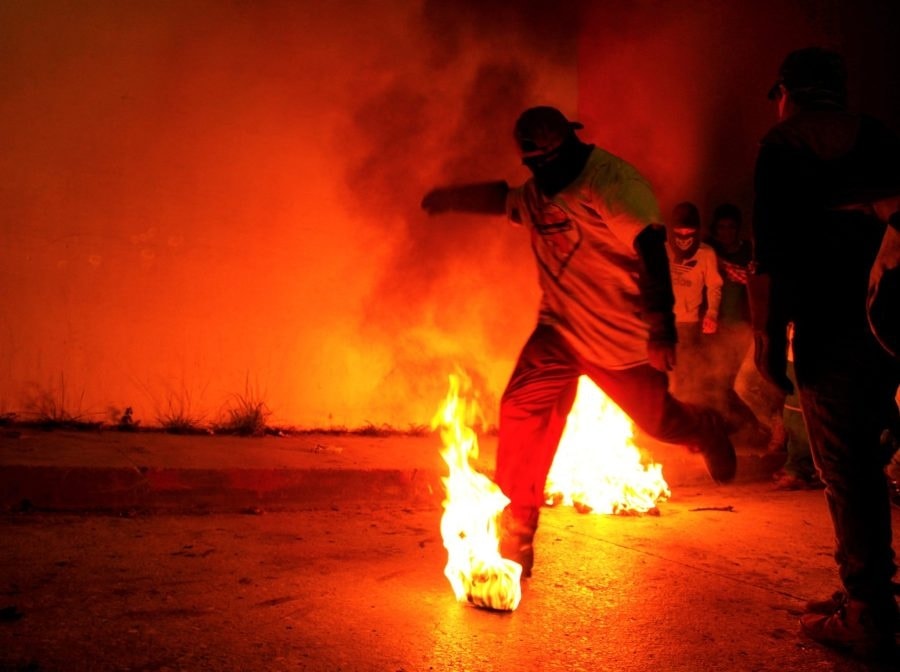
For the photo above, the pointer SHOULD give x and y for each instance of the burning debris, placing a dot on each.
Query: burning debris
(597, 467)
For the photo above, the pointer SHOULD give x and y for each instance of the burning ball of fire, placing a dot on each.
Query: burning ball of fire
(472, 507)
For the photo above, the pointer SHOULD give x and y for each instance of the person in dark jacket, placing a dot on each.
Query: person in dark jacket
(823, 176)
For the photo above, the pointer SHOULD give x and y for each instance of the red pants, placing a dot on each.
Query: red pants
(540, 395)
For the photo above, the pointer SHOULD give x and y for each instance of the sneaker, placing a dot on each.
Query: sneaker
(830, 605)
(717, 449)
(518, 549)
(827, 606)
(855, 627)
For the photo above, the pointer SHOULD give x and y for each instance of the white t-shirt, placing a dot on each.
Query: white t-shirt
(689, 277)
(583, 241)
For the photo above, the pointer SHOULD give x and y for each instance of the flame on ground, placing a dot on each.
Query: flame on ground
(472, 507)
(597, 465)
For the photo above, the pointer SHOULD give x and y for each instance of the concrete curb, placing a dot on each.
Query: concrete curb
(186, 490)
(115, 472)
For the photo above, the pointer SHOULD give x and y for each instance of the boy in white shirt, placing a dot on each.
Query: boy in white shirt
(695, 282)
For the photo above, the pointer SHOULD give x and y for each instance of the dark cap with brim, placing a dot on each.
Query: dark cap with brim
(814, 71)
(542, 129)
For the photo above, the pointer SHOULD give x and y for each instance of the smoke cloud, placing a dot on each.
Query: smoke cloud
(212, 199)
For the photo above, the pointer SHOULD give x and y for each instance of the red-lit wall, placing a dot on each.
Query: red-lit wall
(679, 88)
(202, 200)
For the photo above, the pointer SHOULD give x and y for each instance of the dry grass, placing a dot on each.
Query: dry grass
(179, 418)
(247, 415)
(369, 429)
(53, 408)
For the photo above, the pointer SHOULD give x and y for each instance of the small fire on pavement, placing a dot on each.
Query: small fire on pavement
(597, 466)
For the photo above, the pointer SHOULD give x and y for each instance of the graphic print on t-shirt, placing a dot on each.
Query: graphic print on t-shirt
(683, 272)
(554, 236)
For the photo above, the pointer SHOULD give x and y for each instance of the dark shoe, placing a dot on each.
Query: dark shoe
(827, 606)
(830, 605)
(855, 627)
(517, 538)
(518, 549)
(717, 449)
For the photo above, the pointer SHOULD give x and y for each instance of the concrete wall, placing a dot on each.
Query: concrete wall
(679, 88)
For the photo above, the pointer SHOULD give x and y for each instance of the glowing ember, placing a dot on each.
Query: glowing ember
(471, 510)
(597, 466)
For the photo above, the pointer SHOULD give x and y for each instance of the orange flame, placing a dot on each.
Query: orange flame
(472, 506)
(597, 465)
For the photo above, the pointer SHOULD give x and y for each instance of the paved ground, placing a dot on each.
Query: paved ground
(715, 582)
(322, 553)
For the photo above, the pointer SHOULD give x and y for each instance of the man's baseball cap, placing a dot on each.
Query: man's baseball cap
(540, 130)
(813, 70)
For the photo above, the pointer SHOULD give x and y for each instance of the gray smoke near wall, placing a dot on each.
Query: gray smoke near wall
(202, 194)
(452, 285)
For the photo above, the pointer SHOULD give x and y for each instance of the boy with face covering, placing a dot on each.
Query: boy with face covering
(685, 225)
(695, 278)
(694, 270)
(606, 311)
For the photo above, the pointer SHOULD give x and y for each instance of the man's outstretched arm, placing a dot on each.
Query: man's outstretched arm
(486, 198)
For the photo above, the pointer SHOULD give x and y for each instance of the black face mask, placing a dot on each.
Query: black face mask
(685, 247)
(557, 169)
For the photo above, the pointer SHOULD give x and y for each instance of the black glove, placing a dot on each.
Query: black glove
(486, 198)
(657, 298)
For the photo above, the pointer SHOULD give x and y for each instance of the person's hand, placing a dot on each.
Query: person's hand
(710, 325)
(438, 200)
(886, 208)
(884, 293)
(661, 355)
(770, 357)
(888, 258)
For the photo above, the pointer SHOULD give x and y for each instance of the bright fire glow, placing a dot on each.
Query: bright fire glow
(472, 507)
(597, 465)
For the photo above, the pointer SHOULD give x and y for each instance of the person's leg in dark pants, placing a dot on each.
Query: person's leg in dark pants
(533, 413)
(643, 393)
(847, 402)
